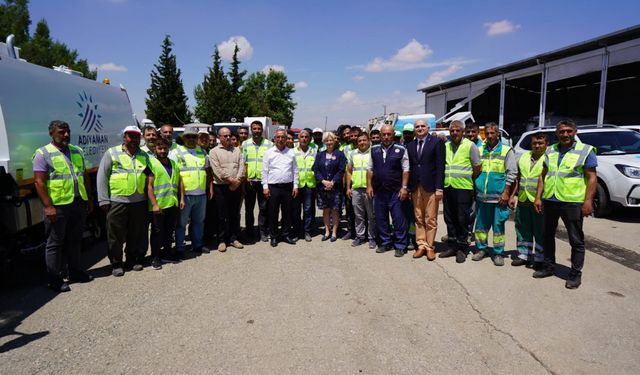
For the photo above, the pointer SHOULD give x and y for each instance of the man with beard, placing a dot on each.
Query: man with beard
(166, 132)
(375, 137)
(150, 134)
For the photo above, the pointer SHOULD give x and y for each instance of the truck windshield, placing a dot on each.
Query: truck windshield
(613, 143)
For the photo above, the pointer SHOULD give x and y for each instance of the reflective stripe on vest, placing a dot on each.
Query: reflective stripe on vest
(458, 171)
(165, 187)
(127, 174)
(253, 155)
(492, 180)
(566, 181)
(306, 177)
(192, 168)
(360, 164)
(62, 180)
(529, 177)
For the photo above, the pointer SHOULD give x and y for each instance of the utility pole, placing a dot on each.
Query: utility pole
(325, 123)
(385, 109)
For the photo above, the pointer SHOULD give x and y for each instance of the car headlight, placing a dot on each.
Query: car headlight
(629, 171)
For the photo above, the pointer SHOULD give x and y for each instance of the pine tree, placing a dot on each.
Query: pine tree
(14, 19)
(212, 96)
(166, 101)
(237, 106)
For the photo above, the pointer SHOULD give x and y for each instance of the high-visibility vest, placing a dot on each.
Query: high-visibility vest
(127, 174)
(492, 180)
(458, 171)
(62, 180)
(192, 168)
(253, 156)
(306, 177)
(360, 163)
(146, 150)
(566, 181)
(165, 187)
(529, 177)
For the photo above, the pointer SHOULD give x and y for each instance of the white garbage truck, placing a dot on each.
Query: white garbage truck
(31, 96)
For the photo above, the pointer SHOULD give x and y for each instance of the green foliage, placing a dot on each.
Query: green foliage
(270, 95)
(212, 96)
(14, 19)
(236, 104)
(166, 101)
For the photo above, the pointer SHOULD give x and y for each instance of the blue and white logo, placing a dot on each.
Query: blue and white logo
(89, 113)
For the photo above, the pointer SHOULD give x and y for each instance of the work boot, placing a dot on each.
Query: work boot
(447, 253)
(544, 271)
(574, 280)
(498, 260)
(519, 262)
(461, 256)
(479, 255)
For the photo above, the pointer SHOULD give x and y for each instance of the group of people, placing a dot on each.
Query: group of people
(388, 184)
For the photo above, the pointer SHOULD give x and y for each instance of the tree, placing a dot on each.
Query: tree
(167, 102)
(278, 96)
(254, 94)
(14, 19)
(237, 106)
(212, 96)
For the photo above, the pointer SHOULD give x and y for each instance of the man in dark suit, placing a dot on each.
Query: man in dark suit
(426, 181)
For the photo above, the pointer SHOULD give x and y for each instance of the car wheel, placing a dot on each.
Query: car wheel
(601, 203)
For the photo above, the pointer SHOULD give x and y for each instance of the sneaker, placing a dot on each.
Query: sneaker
(461, 256)
(544, 271)
(264, 238)
(117, 271)
(307, 237)
(372, 244)
(222, 247)
(382, 249)
(156, 263)
(573, 281)
(347, 236)
(399, 253)
(480, 255)
(498, 260)
(357, 242)
(447, 253)
(237, 244)
(519, 262)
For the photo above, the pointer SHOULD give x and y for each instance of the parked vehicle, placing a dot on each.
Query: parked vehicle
(618, 153)
(268, 127)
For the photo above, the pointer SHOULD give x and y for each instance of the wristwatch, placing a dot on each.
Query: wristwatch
(405, 187)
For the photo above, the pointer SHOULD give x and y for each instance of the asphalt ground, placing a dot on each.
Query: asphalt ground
(324, 307)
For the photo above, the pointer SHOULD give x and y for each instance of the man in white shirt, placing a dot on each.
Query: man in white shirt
(280, 185)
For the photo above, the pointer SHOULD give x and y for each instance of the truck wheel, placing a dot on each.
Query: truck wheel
(601, 203)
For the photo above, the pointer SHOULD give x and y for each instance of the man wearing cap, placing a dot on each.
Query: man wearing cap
(387, 180)
(407, 205)
(121, 186)
(150, 134)
(426, 182)
(193, 165)
(64, 189)
(317, 140)
(211, 217)
(253, 151)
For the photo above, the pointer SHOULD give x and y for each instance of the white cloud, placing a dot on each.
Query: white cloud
(227, 47)
(109, 67)
(272, 68)
(439, 76)
(357, 78)
(301, 85)
(349, 98)
(408, 57)
(500, 27)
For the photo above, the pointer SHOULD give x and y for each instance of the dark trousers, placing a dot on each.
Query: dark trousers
(163, 226)
(385, 203)
(457, 209)
(228, 205)
(280, 201)
(253, 193)
(211, 221)
(349, 214)
(571, 214)
(64, 239)
(125, 224)
(303, 206)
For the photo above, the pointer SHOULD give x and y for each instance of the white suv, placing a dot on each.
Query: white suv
(618, 153)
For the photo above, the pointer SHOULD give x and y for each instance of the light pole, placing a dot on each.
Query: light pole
(325, 123)
(385, 109)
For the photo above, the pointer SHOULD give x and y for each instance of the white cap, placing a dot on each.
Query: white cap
(131, 129)
(203, 131)
(317, 130)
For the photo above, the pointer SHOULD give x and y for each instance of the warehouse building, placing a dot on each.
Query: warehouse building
(593, 82)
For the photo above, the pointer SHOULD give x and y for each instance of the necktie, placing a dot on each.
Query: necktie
(420, 148)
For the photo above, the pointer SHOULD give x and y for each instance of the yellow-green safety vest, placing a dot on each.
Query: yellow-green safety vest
(165, 187)
(529, 177)
(306, 177)
(492, 180)
(458, 170)
(62, 180)
(192, 168)
(253, 156)
(360, 163)
(566, 181)
(127, 174)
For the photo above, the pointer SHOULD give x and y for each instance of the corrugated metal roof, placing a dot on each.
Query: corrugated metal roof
(574, 49)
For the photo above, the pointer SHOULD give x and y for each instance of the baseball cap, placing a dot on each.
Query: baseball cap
(131, 129)
(318, 130)
(407, 127)
(189, 131)
(203, 131)
(397, 133)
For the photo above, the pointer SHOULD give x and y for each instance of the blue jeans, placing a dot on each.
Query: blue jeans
(304, 203)
(195, 208)
(385, 203)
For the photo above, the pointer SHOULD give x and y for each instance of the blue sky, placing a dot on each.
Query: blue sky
(347, 58)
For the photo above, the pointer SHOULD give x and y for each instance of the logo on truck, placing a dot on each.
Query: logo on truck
(89, 113)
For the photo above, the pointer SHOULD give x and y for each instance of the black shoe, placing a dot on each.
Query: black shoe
(537, 265)
(118, 271)
(447, 253)
(60, 288)
(156, 263)
(382, 249)
(205, 250)
(573, 281)
(171, 257)
(290, 241)
(543, 272)
(274, 242)
(461, 256)
(519, 262)
(78, 276)
(264, 238)
(399, 253)
(325, 237)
